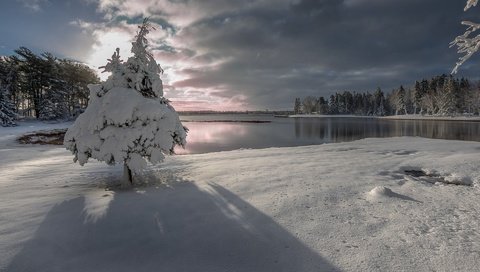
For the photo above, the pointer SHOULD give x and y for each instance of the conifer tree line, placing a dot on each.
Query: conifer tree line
(441, 95)
(42, 86)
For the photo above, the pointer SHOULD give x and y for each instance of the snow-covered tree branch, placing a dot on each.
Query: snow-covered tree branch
(468, 43)
(471, 3)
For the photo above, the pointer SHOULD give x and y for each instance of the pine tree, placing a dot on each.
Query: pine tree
(297, 108)
(400, 105)
(142, 71)
(417, 98)
(54, 104)
(445, 98)
(128, 120)
(7, 109)
(322, 105)
(7, 86)
(379, 103)
(333, 105)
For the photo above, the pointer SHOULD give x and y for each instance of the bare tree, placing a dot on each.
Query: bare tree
(309, 104)
(429, 103)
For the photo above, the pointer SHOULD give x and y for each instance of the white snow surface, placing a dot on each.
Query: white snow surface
(334, 207)
(123, 126)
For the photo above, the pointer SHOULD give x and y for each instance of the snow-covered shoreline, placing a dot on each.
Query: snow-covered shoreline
(394, 117)
(433, 118)
(334, 207)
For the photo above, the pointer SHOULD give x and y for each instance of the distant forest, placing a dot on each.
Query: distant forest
(42, 86)
(441, 95)
(49, 88)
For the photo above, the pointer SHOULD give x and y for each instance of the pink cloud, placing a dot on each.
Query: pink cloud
(202, 105)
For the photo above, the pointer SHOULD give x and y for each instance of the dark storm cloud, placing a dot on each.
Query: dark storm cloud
(316, 47)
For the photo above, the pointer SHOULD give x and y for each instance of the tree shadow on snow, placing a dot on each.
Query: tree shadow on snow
(180, 228)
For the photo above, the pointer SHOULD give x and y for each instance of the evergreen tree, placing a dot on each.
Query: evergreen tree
(379, 103)
(7, 109)
(399, 101)
(333, 105)
(128, 120)
(446, 98)
(348, 102)
(44, 86)
(54, 104)
(297, 108)
(31, 67)
(322, 105)
(417, 97)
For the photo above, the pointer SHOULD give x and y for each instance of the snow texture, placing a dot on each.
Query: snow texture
(308, 208)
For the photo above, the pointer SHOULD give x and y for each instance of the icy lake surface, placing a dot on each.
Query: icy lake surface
(222, 132)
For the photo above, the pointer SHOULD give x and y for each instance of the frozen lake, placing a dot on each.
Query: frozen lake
(222, 132)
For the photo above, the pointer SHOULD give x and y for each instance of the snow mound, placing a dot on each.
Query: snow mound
(381, 191)
(384, 193)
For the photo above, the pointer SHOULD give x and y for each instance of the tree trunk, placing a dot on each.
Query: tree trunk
(127, 176)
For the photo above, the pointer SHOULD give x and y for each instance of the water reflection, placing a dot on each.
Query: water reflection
(281, 132)
(350, 129)
(208, 137)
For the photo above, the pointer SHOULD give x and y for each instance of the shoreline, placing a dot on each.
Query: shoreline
(394, 117)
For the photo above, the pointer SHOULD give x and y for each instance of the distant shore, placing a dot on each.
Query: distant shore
(394, 117)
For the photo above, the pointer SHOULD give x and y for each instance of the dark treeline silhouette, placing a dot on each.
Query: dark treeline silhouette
(42, 86)
(441, 95)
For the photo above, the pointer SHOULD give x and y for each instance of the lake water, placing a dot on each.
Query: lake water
(221, 132)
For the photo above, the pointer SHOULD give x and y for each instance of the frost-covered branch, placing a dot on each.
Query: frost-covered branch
(466, 45)
(470, 3)
(114, 64)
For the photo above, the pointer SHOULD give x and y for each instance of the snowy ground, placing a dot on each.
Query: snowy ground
(334, 207)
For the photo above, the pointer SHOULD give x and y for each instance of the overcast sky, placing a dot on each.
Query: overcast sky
(252, 54)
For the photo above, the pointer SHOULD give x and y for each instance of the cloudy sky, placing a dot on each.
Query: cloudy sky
(252, 54)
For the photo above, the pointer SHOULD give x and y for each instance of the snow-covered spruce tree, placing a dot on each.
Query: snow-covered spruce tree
(127, 120)
(467, 45)
(53, 104)
(8, 77)
(7, 109)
